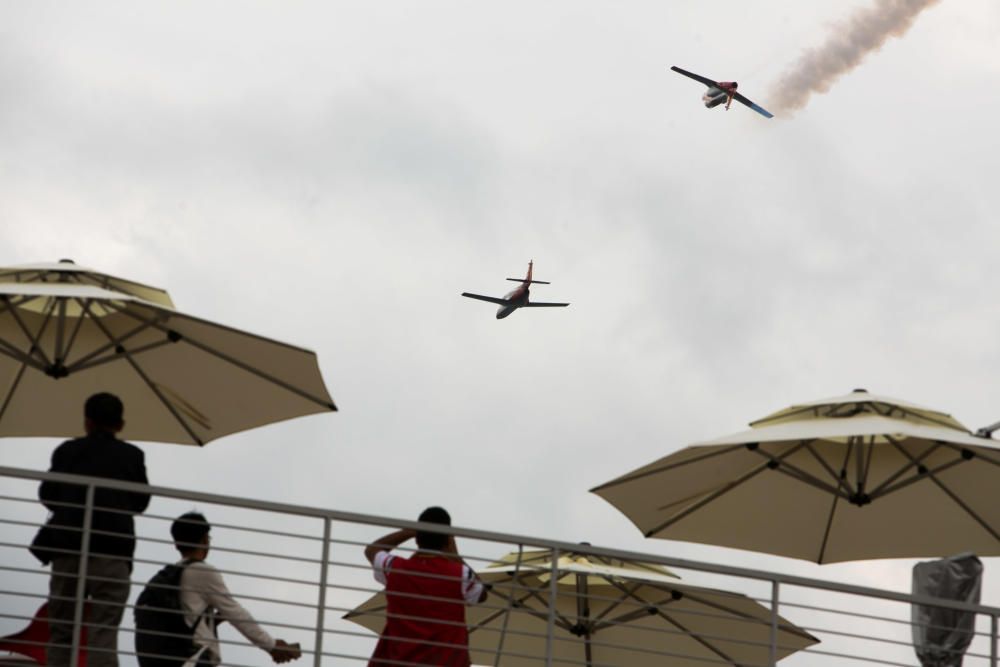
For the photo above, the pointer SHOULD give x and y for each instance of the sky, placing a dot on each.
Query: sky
(334, 175)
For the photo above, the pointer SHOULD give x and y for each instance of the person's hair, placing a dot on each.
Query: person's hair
(104, 409)
(188, 530)
(431, 540)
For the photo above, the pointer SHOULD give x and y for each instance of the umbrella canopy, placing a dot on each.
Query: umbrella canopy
(609, 612)
(66, 271)
(182, 379)
(848, 478)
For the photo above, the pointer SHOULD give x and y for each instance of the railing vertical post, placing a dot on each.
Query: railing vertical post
(553, 592)
(993, 640)
(773, 648)
(81, 575)
(321, 609)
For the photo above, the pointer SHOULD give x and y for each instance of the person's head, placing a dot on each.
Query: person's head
(190, 533)
(103, 412)
(430, 540)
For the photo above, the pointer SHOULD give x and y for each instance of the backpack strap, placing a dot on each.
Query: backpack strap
(204, 614)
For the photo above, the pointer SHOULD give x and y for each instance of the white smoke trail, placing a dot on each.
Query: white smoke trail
(864, 32)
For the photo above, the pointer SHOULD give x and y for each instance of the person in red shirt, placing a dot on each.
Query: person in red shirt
(426, 596)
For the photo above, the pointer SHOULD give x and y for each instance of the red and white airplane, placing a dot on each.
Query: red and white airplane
(518, 298)
(722, 91)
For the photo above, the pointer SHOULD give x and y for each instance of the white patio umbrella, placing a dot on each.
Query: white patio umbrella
(848, 478)
(66, 271)
(609, 612)
(183, 379)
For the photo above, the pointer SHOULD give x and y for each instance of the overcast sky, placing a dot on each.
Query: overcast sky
(335, 174)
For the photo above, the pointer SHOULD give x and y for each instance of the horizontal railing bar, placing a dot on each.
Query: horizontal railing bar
(883, 619)
(236, 573)
(849, 656)
(233, 526)
(245, 552)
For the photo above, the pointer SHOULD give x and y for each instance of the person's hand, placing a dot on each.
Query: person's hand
(285, 652)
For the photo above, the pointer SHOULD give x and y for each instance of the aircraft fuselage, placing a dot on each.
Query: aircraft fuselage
(716, 95)
(515, 299)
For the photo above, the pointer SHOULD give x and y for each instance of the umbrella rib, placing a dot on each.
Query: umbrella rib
(50, 308)
(833, 510)
(562, 621)
(27, 334)
(17, 355)
(60, 330)
(918, 477)
(697, 506)
(515, 604)
(841, 482)
(646, 473)
(108, 358)
(794, 471)
(232, 360)
(614, 603)
(899, 473)
(868, 462)
(152, 386)
(958, 501)
(858, 462)
(979, 454)
(82, 361)
(8, 304)
(644, 605)
(695, 636)
(76, 329)
(13, 387)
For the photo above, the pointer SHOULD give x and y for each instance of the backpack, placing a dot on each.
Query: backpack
(162, 638)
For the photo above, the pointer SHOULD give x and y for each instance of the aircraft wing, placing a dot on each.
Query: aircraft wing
(544, 304)
(761, 110)
(491, 299)
(696, 77)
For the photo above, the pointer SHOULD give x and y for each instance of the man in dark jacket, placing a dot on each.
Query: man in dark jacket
(112, 540)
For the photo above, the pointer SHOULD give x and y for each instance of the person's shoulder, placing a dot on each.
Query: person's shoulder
(68, 445)
(68, 448)
(133, 450)
(200, 569)
(201, 565)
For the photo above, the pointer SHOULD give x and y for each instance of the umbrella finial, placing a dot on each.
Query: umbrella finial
(66, 261)
(859, 391)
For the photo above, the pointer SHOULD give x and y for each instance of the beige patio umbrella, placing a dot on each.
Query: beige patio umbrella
(609, 612)
(183, 379)
(848, 478)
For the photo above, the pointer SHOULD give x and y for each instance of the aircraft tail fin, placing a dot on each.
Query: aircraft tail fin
(527, 279)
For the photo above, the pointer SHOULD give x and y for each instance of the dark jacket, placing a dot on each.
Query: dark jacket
(96, 455)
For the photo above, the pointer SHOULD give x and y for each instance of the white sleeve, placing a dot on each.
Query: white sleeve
(381, 564)
(209, 583)
(472, 586)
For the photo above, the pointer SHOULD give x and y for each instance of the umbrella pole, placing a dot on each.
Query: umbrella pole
(553, 591)
(510, 607)
(583, 613)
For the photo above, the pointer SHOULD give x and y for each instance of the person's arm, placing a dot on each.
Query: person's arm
(474, 589)
(388, 542)
(52, 493)
(138, 502)
(210, 584)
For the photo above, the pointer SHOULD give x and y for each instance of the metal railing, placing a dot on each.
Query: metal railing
(302, 573)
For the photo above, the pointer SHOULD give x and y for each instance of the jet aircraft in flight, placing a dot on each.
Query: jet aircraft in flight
(517, 298)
